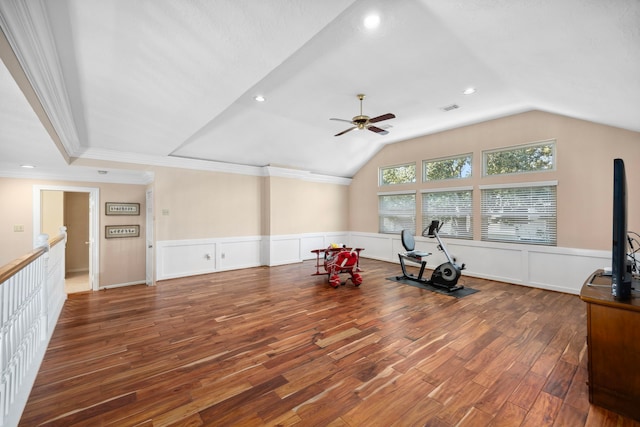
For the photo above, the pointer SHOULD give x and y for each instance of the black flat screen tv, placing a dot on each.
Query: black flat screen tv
(620, 267)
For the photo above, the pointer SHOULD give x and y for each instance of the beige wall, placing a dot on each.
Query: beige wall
(199, 204)
(51, 212)
(585, 153)
(121, 260)
(192, 204)
(17, 201)
(298, 206)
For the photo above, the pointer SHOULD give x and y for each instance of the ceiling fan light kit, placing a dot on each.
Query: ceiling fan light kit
(365, 122)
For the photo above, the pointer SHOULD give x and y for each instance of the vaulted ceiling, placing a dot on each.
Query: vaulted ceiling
(165, 82)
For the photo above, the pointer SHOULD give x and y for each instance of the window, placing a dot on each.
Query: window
(526, 158)
(396, 212)
(449, 168)
(403, 174)
(523, 213)
(453, 208)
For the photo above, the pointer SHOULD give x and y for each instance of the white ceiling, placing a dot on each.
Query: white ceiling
(158, 81)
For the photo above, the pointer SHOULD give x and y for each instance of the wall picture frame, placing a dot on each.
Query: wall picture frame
(117, 208)
(121, 231)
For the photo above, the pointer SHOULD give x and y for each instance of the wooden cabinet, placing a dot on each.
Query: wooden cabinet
(613, 338)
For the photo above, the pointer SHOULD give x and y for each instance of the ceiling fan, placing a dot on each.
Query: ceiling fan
(364, 122)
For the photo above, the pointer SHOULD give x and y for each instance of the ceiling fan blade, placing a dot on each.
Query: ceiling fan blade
(377, 130)
(382, 117)
(341, 120)
(345, 131)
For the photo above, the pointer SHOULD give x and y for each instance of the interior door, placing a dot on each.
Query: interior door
(149, 239)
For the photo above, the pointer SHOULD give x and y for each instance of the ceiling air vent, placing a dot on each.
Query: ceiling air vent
(451, 107)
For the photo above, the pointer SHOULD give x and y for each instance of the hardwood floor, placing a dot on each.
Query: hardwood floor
(276, 346)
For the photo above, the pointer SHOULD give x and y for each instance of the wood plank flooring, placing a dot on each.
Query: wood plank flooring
(277, 346)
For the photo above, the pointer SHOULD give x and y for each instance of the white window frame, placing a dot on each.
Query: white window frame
(528, 226)
(382, 169)
(441, 159)
(446, 230)
(551, 142)
(408, 214)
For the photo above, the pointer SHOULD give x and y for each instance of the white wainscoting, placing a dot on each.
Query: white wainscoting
(287, 249)
(553, 268)
(558, 269)
(181, 258)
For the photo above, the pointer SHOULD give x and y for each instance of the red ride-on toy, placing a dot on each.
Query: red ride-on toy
(339, 260)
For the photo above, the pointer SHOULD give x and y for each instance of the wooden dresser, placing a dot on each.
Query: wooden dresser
(613, 339)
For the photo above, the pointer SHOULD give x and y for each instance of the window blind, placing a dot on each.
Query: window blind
(519, 214)
(396, 212)
(452, 208)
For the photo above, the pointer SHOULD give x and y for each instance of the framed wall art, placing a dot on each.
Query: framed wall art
(120, 231)
(113, 208)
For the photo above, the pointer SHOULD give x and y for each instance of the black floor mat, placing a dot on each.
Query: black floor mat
(458, 294)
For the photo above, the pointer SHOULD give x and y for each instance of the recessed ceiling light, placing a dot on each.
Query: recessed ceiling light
(469, 90)
(259, 98)
(27, 166)
(372, 21)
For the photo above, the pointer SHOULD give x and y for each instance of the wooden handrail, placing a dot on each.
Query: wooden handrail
(55, 240)
(9, 270)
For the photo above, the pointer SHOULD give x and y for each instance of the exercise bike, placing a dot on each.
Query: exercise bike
(445, 276)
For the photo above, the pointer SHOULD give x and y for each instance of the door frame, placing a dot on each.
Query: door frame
(94, 223)
(150, 279)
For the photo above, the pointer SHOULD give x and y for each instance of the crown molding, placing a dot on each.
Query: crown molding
(208, 165)
(29, 34)
(304, 175)
(87, 175)
(169, 161)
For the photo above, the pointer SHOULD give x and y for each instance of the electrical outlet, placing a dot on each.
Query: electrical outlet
(222, 255)
(18, 228)
(165, 212)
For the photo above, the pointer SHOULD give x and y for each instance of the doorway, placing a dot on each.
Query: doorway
(76, 219)
(81, 204)
(149, 279)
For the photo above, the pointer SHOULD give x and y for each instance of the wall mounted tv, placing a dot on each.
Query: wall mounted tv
(620, 264)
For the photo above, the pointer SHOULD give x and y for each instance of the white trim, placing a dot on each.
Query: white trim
(120, 285)
(32, 30)
(94, 222)
(304, 175)
(396, 193)
(450, 189)
(85, 174)
(170, 161)
(455, 156)
(553, 183)
(209, 165)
